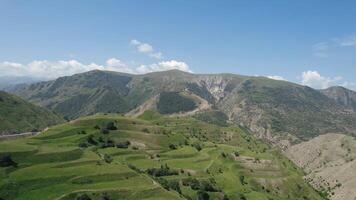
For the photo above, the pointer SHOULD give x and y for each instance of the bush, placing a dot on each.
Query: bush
(123, 145)
(83, 145)
(242, 197)
(172, 146)
(91, 140)
(197, 146)
(202, 195)
(146, 130)
(208, 186)
(97, 127)
(82, 132)
(242, 179)
(6, 161)
(83, 197)
(107, 158)
(192, 182)
(174, 185)
(104, 131)
(111, 126)
(108, 143)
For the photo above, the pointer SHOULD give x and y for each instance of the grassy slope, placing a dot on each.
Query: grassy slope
(19, 115)
(52, 166)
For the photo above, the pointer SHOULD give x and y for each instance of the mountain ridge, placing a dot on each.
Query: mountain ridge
(274, 110)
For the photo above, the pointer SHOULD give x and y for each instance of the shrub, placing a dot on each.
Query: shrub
(83, 145)
(82, 132)
(202, 195)
(237, 154)
(197, 146)
(223, 154)
(174, 185)
(192, 182)
(107, 158)
(172, 146)
(146, 130)
(104, 131)
(96, 127)
(111, 126)
(83, 197)
(6, 161)
(242, 197)
(91, 140)
(208, 186)
(108, 143)
(123, 145)
(242, 179)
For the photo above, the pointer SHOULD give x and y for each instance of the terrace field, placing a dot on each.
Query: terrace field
(110, 156)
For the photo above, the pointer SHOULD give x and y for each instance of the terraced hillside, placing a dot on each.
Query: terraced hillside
(108, 156)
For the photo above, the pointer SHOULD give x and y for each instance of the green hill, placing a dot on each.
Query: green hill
(108, 156)
(17, 115)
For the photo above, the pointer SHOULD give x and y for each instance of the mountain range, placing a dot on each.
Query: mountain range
(278, 111)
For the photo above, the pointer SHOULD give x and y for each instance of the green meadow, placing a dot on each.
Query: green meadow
(110, 156)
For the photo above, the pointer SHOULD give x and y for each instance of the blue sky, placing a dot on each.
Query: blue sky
(308, 42)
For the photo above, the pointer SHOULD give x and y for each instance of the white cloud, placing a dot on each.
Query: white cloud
(315, 80)
(146, 49)
(280, 78)
(163, 66)
(52, 69)
(321, 49)
(157, 55)
(346, 41)
(114, 64)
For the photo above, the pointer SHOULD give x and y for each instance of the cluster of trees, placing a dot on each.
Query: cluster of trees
(164, 170)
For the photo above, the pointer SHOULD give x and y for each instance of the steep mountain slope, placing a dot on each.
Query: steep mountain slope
(330, 164)
(108, 156)
(275, 110)
(17, 115)
(342, 96)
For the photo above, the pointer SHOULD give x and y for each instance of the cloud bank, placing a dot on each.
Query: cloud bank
(315, 80)
(45, 69)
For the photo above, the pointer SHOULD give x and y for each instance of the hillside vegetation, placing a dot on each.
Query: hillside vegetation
(17, 115)
(108, 156)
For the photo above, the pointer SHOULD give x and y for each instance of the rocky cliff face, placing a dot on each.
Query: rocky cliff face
(342, 96)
